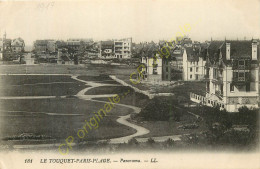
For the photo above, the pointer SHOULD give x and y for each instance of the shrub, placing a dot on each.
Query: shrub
(191, 138)
(161, 109)
(133, 141)
(150, 141)
(169, 143)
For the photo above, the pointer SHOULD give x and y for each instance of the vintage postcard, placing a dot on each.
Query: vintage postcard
(129, 84)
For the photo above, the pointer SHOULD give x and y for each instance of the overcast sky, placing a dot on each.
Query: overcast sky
(144, 20)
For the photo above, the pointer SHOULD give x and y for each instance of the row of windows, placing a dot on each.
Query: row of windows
(197, 69)
(197, 62)
(196, 77)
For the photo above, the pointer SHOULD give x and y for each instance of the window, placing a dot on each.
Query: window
(166, 69)
(155, 71)
(241, 76)
(214, 75)
(190, 76)
(197, 69)
(235, 75)
(248, 87)
(231, 88)
(241, 64)
(191, 69)
(208, 86)
(197, 62)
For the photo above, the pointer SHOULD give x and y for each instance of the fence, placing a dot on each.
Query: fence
(204, 101)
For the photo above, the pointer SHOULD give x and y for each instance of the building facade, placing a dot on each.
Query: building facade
(232, 72)
(51, 46)
(40, 46)
(18, 45)
(194, 63)
(107, 49)
(123, 48)
(11, 49)
(153, 69)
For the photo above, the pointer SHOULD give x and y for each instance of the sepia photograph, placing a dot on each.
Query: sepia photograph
(129, 84)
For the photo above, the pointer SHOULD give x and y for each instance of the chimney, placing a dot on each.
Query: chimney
(254, 50)
(227, 51)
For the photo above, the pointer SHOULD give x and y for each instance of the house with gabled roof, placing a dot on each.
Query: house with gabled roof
(232, 71)
(17, 45)
(153, 67)
(194, 60)
(107, 49)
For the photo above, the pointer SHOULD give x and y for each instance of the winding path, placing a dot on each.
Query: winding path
(122, 119)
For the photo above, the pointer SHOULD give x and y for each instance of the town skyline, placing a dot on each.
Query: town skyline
(140, 20)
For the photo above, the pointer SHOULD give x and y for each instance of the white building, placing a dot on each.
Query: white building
(17, 45)
(123, 48)
(194, 63)
(233, 75)
(153, 69)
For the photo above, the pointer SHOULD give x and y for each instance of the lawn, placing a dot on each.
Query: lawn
(187, 87)
(132, 98)
(95, 78)
(58, 118)
(20, 85)
(32, 79)
(55, 118)
(58, 89)
(84, 69)
(108, 90)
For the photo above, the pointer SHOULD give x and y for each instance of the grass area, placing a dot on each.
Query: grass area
(86, 69)
(108, 90)
(19, 85)
(187, 87)
(33, 119)
(167, 128)
(54, 119)
(126, 78)
(132, 98)
(95, 78)
(33, 79)
(161, 116)
(58, 89)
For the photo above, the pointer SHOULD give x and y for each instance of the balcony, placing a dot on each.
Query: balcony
(118, 52)
(118, 43)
